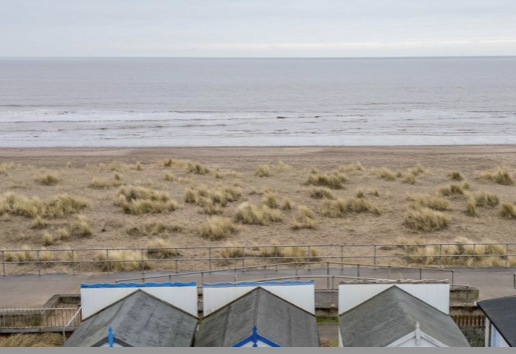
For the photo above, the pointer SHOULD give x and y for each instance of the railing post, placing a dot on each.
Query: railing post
(420, 273)
(453, 276)
(235, 277)
(341, 257)
(375, 260)
(309, 257)
(506, 255)
(243, 257)
(328, 276)
(209, 256)
(3, 263)
(143, 261)
(108, 262)
(441, 255)
(39, 262)
(73, 261)
(358, 270)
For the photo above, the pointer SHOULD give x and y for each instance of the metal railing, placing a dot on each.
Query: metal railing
(73, 323)
(38, 320)
(177, 259)
(276, 267)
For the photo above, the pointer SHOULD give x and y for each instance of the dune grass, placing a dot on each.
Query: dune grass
(48, 179)
(39, 223)
(508, 211)
(6, 167)
(82, 227)
(385, 174)
(333, 180)
(418, 170)
(500, 175)
(121, 261)
(410, 179)
(161, 249)
(287, 204)
(198, 169)
(48, 340)
(456, 176)
(217, 228)
(271, 200)
(452, 190)
(321, 193)
(257, 215)
(140, 200)
(431, 201)
(170, 177)
(232, 251)
(303, 219)
(58, 207)
(471, 207)
(263, 171)
(341, 208)
(154, 228)
(484, 199)
(425, 219)
(283, 167)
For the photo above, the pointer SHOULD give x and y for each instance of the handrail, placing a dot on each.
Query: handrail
(70, 322)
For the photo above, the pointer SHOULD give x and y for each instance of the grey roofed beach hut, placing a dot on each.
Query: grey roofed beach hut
(138, 320)
(501, 321)
(259, 319)
(395, 318)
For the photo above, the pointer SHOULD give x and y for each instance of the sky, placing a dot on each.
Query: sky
(257, 28)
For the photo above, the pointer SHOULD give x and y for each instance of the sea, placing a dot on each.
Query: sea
(172, 102)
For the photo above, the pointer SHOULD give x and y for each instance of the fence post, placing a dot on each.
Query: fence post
(358, 270)
(243, 257)
(309, 257)
(341, 257)
(143, 264)
(108, 262)
(441, 255)
(420, 273)
(209, 256)
(3, 263)
(73, 261)
(506, 255)
(328, 276)
(39, 262)
(375, 260)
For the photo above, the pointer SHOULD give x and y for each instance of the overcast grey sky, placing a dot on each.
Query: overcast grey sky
(257, 28)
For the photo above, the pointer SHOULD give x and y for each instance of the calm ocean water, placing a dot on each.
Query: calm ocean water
(257, 102)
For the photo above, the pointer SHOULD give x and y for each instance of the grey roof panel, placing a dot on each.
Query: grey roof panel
(502, 314)
(139, 320)
(393, 314)
(276, 319)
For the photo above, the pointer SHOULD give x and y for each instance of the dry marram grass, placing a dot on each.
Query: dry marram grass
(257, 215)
(342, 207)
(140, 200)
(425, 219)
(500, 175)
(217, 228)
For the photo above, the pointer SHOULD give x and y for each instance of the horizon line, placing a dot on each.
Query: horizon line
(251, 57)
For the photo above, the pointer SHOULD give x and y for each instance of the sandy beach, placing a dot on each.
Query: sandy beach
(76, 168)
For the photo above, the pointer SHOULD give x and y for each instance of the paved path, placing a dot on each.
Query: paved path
(25, 291)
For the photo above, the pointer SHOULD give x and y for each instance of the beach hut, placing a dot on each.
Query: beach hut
(137, 315)
(268, 314)
(501, 322)
(397, 315)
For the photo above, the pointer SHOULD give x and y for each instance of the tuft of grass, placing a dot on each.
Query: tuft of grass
(360, 194)
(170, 177)
(263, 171)
(342, 207)
(272, 252)
(255, 215)
(283, 167)
(198, 169)
(232, 252)
(354, 167)
(58, 207)
(374, 192)
(161, 249)
(418, 170)
(484, 199)
(500, 175)
(386, 174)
(118, 176)
(431, 201)
(39, 223)
(48, 239)
(300, 254)
(452, 190)
(456, 176)
(508, 211)
(410, 179)
(139, 166)
(103, 183)
(321, 193)
(425, 219)
(116, 166)
(48, 179)
(287, 204)
(333, 180)
(211, 208)
(217, 228)
(463, 253)
(46, 340)
(82, 227)
(271, 200)
(140, 200)
(154, 228)
(304, 219)
(471, 208)
(5, 167)
(121, 261)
